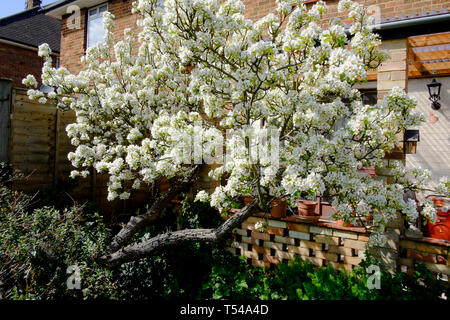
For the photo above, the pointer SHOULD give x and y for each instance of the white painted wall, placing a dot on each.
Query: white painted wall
(433, 150)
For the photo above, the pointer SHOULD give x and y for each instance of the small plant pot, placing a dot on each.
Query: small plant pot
(306, 208)
(342, 223)
(278, 208)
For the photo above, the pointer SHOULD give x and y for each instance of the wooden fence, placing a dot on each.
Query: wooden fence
(34, 141)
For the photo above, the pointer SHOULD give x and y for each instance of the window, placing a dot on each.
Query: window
(369, 96)
(95, 31)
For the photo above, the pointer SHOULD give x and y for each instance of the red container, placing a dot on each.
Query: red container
(278, 208)
(306, 208)
(440, 229)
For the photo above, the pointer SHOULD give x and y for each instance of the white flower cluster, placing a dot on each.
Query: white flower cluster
(443, 187)
(259, 226)
(428, 210)
(202, 196)
(377, 240)
(30, 81)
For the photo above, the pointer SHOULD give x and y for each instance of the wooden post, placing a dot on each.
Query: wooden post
(56, 158)
(5, 111)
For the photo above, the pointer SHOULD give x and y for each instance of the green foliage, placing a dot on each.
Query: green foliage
(38, 245)
(178, 271)
(232, 278)
(422, 285)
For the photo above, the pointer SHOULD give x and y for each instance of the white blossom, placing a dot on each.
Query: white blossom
(201, 83)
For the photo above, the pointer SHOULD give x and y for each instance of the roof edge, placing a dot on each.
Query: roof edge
(5, 19)
(58, 9)
(24, 45)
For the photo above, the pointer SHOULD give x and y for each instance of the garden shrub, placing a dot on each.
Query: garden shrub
(38, 245)
(232, 278)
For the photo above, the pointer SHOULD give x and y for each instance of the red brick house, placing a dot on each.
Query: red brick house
(20, 36)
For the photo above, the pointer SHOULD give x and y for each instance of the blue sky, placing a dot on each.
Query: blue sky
(9, 7)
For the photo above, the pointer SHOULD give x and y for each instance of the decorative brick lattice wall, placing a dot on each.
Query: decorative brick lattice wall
(283, 239)
(435, 254)
(325, 243)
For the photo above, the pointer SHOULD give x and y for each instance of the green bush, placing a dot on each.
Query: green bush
(231, 278)
(38, 245)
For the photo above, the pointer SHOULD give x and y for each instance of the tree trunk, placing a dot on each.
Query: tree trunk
(154, 213)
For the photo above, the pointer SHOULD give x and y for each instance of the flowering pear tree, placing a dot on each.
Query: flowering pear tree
(202, 84)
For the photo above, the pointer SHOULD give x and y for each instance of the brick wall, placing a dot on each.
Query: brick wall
(388, 8)
(434, 254)
(321, 243)
(325, 243)
(73, 41)
(16, 63)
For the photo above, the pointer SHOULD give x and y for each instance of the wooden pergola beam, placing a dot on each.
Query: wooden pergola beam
(416, 63)
(432, 55)
(429, 39)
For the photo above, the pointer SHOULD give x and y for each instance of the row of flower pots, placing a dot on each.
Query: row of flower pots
(305, 208)
(278, 207)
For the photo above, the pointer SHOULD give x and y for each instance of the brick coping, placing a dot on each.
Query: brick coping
(316, 221)
(439, 242)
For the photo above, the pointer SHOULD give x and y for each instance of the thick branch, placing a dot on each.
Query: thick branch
(158, 242)
(153, 213)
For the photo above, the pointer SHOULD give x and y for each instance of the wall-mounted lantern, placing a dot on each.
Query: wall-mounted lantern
(434, 90)
(410, 139)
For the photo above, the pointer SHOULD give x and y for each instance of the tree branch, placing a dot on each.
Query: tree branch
(160, 241)
(153, 213)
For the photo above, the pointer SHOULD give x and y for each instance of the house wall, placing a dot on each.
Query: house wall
(388, 8)
(433, 150)
(16, 63)
(73, 41)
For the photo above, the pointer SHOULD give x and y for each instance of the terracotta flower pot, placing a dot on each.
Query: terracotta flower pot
(306, 208)
(342, 223)
(278, 208)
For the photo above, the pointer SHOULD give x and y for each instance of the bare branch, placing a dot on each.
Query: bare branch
(158, 242)
(154, 213)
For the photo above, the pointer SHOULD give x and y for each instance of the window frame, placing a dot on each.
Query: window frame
(98, 15)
